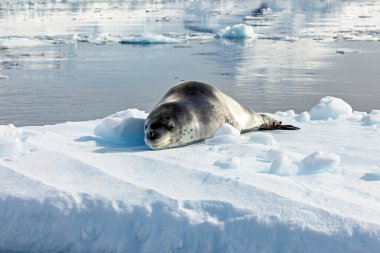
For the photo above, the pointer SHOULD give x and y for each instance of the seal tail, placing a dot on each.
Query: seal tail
(272, 124)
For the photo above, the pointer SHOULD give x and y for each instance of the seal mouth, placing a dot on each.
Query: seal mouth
(158, 145)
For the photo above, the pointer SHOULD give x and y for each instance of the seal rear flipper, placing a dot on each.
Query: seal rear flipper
(289, 127)
(272, 124)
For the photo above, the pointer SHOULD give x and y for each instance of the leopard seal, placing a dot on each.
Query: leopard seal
(191, 111)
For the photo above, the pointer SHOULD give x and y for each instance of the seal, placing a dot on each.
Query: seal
(191, 111)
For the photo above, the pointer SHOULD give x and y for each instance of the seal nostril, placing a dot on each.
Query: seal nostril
(152, 134)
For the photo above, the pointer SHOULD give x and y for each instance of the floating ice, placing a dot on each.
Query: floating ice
(4, 77)
(115, 200)
(104, 38)
(278, 37)
(346, 51)
(11, 43)
(319, 162)
(9, 140)
(239, 31)
(149, 39)
(125, 127)
(330, 108)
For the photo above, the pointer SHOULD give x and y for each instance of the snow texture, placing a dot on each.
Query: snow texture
(94, 186)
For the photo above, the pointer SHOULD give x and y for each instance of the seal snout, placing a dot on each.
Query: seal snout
(152, 134)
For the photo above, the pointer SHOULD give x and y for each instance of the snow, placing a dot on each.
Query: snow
(330, 107)
(94, 186)
(238, 32)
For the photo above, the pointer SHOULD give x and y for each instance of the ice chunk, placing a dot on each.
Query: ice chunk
(373, 118)
(263, 138)
(9, 140)
(126, 127)
(318, 162)
(239, 31)
(104, 38)
(303, 117)
(229, 163)
(330, 108)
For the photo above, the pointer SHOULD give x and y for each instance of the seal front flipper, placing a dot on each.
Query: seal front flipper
(272, 124)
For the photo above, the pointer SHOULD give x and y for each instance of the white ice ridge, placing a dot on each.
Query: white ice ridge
(94, 186)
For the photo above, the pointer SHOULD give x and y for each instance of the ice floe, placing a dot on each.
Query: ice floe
(93, 186)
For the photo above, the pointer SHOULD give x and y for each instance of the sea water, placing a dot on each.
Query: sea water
(79, 60)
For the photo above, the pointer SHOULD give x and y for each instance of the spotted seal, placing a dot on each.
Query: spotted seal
(191, 111)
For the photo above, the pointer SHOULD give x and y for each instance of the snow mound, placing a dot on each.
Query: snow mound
(19, 43)
(149, 39)
(225, 134)
(373, 118)
(226, 129)
(282, 165)
(238, 32)
(319, 162)
(330, 108)
(125, 127)
(228, 163)
(263, 138)
(10, 143)
(303, 117)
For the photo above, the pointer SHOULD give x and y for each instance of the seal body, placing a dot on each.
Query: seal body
(191, 111)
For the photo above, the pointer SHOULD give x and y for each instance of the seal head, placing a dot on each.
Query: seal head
(163, 128)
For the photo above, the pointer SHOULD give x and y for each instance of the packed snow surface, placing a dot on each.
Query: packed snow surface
(94, 186)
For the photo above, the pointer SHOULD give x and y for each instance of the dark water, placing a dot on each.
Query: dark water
(296, 60)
